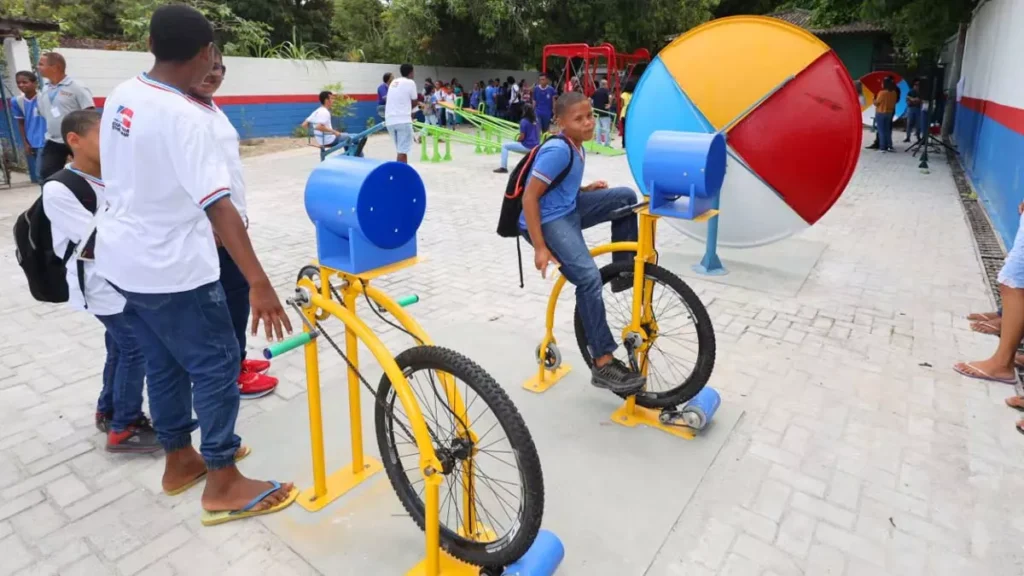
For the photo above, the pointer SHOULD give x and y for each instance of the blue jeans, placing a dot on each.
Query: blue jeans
(564, 238)
(236, 291)
(604, 130)
(545, 121)
(123, 373)
(511, 147)
(191, 360)
(33, 164)
(913, 122)
(492, 109)
(884, 123)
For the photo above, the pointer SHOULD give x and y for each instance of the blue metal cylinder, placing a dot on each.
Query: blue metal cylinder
(385, 201)
(542, 559)
(675, 161)
(699, 411)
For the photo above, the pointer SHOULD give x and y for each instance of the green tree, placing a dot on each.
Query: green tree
(920, 27)
(309, 21)
(359, 29)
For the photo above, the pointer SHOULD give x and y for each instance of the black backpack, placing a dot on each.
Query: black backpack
(512, 200)
(45, 270)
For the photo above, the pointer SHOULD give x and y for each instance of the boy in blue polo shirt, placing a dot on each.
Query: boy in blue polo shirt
(30, 123)
(553, 221)
(544, 96)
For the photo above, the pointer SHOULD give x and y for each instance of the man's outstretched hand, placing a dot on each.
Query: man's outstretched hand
(266, 308)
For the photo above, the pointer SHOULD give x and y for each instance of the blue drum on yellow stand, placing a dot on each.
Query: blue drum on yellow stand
(366, 212)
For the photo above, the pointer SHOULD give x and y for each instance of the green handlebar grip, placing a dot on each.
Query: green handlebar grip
(292, 343)
(408, 300)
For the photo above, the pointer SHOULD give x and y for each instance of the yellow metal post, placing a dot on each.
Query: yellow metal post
(355, 409)
(316, 426)
(432, 526)
(327, 488)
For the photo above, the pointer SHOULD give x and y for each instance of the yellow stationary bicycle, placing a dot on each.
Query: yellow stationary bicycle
(456, 450)
(664, 328)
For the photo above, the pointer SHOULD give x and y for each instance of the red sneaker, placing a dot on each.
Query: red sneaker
(255, 366)
(253, 385)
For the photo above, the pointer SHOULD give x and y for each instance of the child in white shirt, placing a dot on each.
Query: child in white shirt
(119, 409)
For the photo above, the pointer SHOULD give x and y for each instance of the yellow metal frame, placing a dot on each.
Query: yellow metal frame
(629, 414)
(327, 488)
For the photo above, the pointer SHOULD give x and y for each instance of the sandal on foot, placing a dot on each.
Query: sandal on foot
(964, 369)
(985, 328)
(214, 518)
(1016, 402)
(1020, 426)
(240, 455)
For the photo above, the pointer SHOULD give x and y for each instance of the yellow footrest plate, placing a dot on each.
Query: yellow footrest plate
(339, 483)
(640, 416)
(551, 377)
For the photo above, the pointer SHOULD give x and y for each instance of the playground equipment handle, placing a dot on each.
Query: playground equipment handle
(404, 302)
(279, 348)
(408, 300)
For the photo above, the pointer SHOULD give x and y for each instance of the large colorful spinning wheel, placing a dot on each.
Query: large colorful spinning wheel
(871, 85)
(789, 109)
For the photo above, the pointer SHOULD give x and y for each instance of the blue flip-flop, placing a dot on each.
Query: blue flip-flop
(220, 517)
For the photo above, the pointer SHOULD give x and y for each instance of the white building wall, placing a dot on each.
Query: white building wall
(102, 70)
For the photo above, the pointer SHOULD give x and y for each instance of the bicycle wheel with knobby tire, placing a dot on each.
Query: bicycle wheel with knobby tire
(501, 463)
(680, 342)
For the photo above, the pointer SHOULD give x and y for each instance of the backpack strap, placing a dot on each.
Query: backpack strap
(568, 167)
(87, 197)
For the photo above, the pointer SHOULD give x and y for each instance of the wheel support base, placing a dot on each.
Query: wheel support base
(631, 415)
(545, 379)
(338, 484)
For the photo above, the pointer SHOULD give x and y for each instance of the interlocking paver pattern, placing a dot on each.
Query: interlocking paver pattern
(860, 451)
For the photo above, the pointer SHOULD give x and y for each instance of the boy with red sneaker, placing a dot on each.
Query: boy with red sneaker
(252, 382)
(69, 201)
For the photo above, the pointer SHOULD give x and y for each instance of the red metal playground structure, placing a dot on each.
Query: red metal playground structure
(585, 65)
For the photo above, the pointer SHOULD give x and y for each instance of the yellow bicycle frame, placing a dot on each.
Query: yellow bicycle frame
(629, 414)
(326, 489)
(645, 253)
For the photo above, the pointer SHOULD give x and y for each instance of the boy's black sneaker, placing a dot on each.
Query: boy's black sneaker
(138, 438)
(501, 170)
(617, 377)
(103, 421)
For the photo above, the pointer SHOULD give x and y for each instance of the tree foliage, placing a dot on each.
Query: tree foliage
(475, 33)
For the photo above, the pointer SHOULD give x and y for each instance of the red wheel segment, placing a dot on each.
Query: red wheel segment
(804, 140)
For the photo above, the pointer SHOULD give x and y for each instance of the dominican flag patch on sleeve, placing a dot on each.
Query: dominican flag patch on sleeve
(123, 120)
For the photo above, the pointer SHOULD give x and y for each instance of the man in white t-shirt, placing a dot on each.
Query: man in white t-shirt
(402, 96)
(167, 193)
(323, 131)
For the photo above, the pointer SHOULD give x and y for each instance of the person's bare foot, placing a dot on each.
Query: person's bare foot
(983, 316)
(986, 370)
(1016, 402)
(992, 327)
(183, 467)
(227, 490)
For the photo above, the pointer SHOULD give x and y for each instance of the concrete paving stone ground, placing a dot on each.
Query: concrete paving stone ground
(860, 451)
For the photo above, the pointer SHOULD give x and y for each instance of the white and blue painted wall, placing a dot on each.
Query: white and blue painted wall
(271, 97)
(989, 126)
